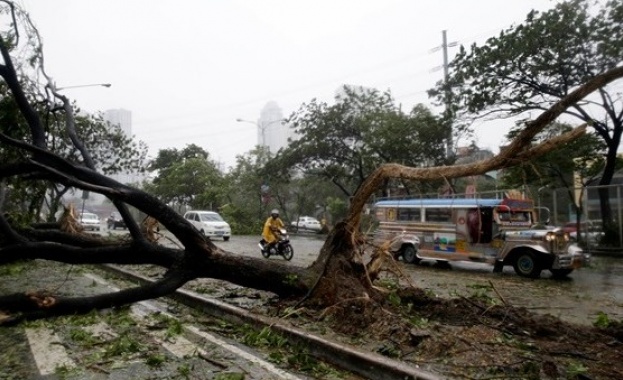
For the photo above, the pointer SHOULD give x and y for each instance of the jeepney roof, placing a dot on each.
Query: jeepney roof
(440, 202)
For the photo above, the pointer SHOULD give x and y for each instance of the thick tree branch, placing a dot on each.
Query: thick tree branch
(71, 127)
(10, 77)
(118, 254)
(41, 305)
(505, 158)
(87, 179)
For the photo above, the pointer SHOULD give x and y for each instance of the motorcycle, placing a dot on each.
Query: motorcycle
(281, 247)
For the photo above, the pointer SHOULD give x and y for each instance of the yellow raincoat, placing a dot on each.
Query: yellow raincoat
(271, 225)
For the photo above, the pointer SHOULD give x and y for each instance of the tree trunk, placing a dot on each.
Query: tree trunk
(610, 226)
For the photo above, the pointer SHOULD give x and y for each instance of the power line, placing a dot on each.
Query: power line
(387, 64)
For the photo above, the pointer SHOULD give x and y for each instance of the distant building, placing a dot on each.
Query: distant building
(120, 117)
(272, 132)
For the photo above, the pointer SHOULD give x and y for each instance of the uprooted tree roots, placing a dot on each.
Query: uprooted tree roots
(470, 338)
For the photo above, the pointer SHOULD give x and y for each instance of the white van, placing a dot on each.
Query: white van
(89, 221)
(209, 223)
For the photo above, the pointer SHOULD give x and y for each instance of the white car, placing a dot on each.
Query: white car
(209, 223)
(89, 221)
(307, 223)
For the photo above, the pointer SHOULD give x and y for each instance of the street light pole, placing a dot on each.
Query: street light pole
(85, 85)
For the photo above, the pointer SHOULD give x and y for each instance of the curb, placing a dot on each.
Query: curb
(368, 365)
(608, 252)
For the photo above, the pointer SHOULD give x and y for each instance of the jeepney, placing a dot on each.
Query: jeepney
(494, 231)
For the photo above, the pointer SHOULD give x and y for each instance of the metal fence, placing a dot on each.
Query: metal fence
(560, 205)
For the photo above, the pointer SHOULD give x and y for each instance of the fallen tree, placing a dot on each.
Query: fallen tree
(338, 274)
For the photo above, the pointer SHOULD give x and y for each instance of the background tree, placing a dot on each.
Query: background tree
(245, 197)
(530, 66)
(346, 141)
(187, 177)
(168, 158)
(112, 152)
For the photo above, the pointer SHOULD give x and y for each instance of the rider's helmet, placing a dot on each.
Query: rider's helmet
(274, 213)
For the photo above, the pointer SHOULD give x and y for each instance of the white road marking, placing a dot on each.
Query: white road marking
(49, 354)
(185, 347)
(237, 351)
(179, 346)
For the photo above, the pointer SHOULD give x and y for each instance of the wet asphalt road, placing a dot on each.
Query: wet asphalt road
(580, 298)
(306, 247)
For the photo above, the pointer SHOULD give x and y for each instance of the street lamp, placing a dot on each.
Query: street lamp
(262, 127)
(85, 85)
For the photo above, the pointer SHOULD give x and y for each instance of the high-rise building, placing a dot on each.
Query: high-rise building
(272, 132)
(120, 117)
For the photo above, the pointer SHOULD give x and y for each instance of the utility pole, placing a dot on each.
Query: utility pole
(444, 48)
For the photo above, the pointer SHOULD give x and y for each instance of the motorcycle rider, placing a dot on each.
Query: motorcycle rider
(271, 229)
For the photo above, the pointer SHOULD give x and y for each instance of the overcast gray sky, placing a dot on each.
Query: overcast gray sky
(188, 69)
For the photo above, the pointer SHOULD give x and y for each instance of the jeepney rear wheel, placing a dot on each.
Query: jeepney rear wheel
(526, 265)
(409, 255)
(560, 273)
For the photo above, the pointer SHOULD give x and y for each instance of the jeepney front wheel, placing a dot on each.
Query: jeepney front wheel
(526, 265)
(409, 255)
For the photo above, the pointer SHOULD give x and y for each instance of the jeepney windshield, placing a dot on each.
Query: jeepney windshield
(514, 217)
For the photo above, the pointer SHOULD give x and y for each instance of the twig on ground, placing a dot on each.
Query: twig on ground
(212, 361)
(498, 293)
(98, 368)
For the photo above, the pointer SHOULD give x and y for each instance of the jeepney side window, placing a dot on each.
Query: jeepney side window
(521, 216)
(518, 217)
(439, 215)
(409, 214)
(502, 214)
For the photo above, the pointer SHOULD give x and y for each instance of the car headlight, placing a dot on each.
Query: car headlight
(550, 236)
